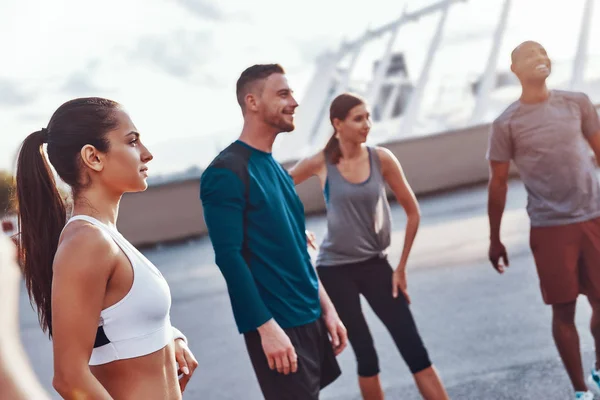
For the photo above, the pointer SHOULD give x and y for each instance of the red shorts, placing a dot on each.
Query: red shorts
(567, 259)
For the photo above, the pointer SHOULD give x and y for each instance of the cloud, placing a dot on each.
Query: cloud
(32, 117)
(207, 10)
(310, 49)
(12, 95)
(80, 83)
(204, 9)
(179, 54)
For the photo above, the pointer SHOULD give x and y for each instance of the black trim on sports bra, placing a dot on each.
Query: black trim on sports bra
(101, 338)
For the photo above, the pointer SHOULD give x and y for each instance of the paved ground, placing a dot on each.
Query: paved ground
(487, 334)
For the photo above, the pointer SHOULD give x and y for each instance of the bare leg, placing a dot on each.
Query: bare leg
(567, 342)
(595, 328)
(370, 388)
(430, 385)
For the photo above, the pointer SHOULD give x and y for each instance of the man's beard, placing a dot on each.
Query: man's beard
(280, 123)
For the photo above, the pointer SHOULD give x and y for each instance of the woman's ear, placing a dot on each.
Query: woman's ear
(92, 158)
(337, 124)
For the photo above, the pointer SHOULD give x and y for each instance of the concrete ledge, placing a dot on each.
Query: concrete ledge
(171, 211)
(438, 162)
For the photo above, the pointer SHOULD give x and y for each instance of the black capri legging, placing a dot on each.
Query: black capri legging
(373, 279)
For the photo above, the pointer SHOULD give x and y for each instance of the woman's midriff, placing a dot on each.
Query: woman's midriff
(153, 376)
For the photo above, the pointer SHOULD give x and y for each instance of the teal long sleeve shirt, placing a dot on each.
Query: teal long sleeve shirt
(255, 222)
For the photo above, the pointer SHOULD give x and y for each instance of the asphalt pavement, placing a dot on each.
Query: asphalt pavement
(487, 334)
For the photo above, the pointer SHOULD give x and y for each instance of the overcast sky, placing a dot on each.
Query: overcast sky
(173, 64)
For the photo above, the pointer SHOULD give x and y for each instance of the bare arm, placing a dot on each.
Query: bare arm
(594, 142)
(17, 379)
(395, 178)
(497, 189)
(307, 167)
(82, 268)
(303, 170)
(335, 327)
(590, 125)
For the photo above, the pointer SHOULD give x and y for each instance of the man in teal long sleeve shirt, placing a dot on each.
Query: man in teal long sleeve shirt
(256, 225)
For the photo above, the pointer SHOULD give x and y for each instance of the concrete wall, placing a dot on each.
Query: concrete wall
(433, 163)
(172, 211)
(162, 213)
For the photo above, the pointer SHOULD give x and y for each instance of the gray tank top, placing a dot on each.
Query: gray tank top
(358, 217)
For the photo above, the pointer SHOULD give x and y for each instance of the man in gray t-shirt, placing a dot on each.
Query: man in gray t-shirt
(548, 135)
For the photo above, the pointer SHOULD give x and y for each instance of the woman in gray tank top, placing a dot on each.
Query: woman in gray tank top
(352, 258)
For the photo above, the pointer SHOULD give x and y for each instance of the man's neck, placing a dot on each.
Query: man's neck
(534, 93)
(258, 136)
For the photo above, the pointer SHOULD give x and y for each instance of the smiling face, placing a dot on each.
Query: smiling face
(276, 105)
(531, 63)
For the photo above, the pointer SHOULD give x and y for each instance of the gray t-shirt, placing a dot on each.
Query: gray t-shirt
(547, 142)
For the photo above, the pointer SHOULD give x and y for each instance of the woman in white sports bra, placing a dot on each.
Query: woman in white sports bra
(104, 304)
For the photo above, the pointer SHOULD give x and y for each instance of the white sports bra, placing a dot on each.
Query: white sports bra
(139, 323)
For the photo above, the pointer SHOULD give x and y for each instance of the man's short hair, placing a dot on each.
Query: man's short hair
(251, 76)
